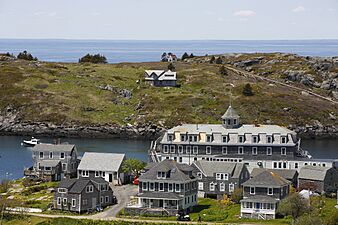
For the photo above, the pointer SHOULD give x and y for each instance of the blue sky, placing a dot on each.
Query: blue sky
(169, 20)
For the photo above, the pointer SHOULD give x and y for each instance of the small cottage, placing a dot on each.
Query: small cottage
(160, 78)
(290, 175)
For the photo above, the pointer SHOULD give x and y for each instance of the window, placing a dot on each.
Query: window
(161, 187)
(283, 151)
(254, 150)
(172, 148)
(62, 155)
(170, 137)
(180, 159)
(229, 121)
(165, 148)
(97, 174)
(231, 187)
(222, 187)
(252, 190)
(106, 199)
(62, 190)
(224, 150)
(170, 187)
(161, 175)
(151, 186)
(41, 155)
(284, 165)
(199, 175)
(269, 151)
(195, 149)
(64, 166)
(240, 150)
(50, 155)
(48, 168)
(182, 137)
(208, 150)
(89, 188)
(144, 186)
(235, 121)
(296, 165)
(274, 165)
(101, 199)
(177, 187)
(64, 202)
(240, 139)
(269, 139)
(209, 138)
(84, 202)
(59, 201)
(188, 149)
(255, 139)
(283, 140)
(180, 149)
(73, 202)
(222, 176)
(85, 173)
(200, 186)
(225, 139)
(270, 191)
(212, 187)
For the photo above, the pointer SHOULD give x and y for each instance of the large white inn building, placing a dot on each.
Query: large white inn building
(266, 146)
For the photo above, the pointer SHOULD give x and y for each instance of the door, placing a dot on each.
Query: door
(94, 204)
(110, 177)
(161, 203)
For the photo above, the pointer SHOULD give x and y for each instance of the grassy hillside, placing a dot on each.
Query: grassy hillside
(70, 93)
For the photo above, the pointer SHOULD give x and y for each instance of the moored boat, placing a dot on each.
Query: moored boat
(30, 143)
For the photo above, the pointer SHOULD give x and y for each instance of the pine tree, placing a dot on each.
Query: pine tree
(212, 59)
(223, 71)
(185, 56)
(219, 60)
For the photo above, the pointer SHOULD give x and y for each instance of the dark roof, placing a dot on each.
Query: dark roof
(313, 172)
(267, 179)
(209, 168)
(160, 195)
(49, 163)
(260, 198)
(176, 171)
(230, 113)
(76, 186)
(54, 148)
(66, 183)
(287, 174)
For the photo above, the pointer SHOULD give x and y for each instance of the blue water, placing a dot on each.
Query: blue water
(144, 51)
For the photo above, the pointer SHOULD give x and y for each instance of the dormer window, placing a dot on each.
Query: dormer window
(222, 176)
(241, 139)
(235, 121)
(41, 155)
(283, 140)
(161, 175)
(89, 188)
(50, 155)
(208, 150)
(255, 139)
(183, 137)
(225, 139)
(209, 138)
(252, 190)
(62, 155)
(170, 137)
(193, 138)
(269, 139)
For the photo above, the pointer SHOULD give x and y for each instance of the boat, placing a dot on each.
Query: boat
(30, 143)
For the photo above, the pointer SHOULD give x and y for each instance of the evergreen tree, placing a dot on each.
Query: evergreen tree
(247, 90)
(191, 55)
(219, 60)
(26, 56)
(212, 59)
(185, 56)
(164, 57)
(93, 59)
(223, 71)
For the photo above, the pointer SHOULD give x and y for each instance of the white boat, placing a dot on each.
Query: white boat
(30, 143)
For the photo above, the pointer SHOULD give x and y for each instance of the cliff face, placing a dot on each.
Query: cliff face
(64, 99)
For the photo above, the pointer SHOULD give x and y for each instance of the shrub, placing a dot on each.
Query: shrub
(171, 67)
(4, 185)
(185, 56)
(26, 56)
(247, 90)
(223, 71)
(294, 205)
(237, 195)
(212, 59)
(308, 220)
(219, 60)
(93, 59)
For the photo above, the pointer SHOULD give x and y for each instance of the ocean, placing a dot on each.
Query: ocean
(116, 51)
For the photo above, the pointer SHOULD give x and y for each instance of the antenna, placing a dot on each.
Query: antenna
(231, 86)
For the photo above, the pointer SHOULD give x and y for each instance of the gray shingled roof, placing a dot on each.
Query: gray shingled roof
(54, 148)
(49, 163)
(96, 161)
(76, 186)
(209, 168)
(230, 113)
(167, 165)
(287, 174)
(313, 173)
(160, 195)
(267, 179)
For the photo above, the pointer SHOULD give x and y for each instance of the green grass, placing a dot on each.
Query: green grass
(69, 93)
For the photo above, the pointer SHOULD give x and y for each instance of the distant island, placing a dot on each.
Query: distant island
(112, 100)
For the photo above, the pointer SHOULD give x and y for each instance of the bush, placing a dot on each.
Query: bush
(308, 220)
(93, 59)
(219, 60)
(34, 189)
(247, 90)
(4, 185)
(223, 71)
(212, 59)
(237, 195)
(171, 67)
(294, 205)
(185, 56)
(26, 56)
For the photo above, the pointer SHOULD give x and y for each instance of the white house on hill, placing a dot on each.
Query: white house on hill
(161, 78)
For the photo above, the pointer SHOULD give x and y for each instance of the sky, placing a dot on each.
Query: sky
(169, 20)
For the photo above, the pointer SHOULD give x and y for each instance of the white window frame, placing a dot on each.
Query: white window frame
(226, 150)
(188, 150)
(172, 148)
(73, 202)
(212, 186)
(200, 186)
(64, 155)
(184, 137)
(269, 150)
(222, 186)
(195, 150)
(270, 188)
(254, 190)
(85, 173)
(254, 150)
(177, 189)
(241, 139)
(159, 186)
(89, 189)
(50, 155)
(226, 139)
(165, 149)
(144, 186)
(62, 190)
(180, 149)
(231, 187)
(208, 150)
(239, 151)
(64, 201)
(59, 201)
(255, 139)
(43, 155)
(283, 150)
(106, 198)
(283, 140)
(199, 175)
(269, 139)
(97, 174)
(153, 184)
(172, 187)
(170, 137)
